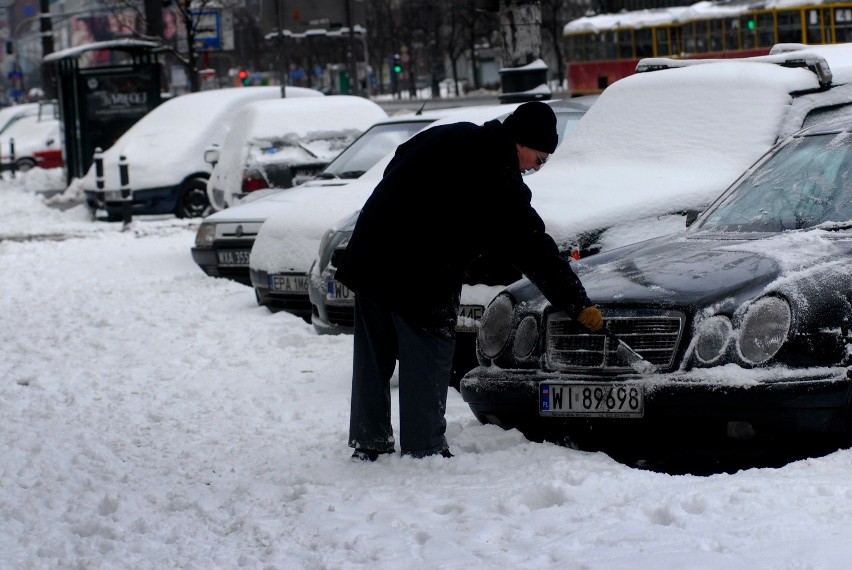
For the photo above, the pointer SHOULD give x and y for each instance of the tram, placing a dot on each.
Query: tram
(604, 48)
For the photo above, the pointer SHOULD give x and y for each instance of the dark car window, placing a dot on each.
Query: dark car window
(803, 184)
(565, 123)
(370, 147)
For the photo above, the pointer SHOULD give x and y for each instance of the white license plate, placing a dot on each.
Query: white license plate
(296, 284)
(585, 400)
(337, 291)
(234, 257)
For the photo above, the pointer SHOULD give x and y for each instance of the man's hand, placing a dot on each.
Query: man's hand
(591, 318)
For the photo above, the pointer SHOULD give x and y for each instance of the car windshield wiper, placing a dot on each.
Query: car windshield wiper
(835, 226)
(351, 174)
(326, 175)
(307, 149)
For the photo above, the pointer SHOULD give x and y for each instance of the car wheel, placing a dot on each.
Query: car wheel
(192, 200)
(25, 164)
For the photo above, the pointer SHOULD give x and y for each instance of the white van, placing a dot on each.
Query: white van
(280, 142)
(164, 153)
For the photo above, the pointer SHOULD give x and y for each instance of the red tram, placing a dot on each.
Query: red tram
(602, 49)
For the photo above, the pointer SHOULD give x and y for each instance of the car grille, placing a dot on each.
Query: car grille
(307, 170)
(297, 304)
(655, 336)
(341, 316)
(234, 231)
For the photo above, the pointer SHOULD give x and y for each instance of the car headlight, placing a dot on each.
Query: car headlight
(764, 329)
(326, 238)
(495, 326)
(332, 241)
(205, 235)
(525, 337)
(712, 339)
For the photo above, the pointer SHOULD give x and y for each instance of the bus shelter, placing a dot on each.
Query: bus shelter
(101, 97)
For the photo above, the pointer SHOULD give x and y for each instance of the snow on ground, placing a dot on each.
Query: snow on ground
(153, 417)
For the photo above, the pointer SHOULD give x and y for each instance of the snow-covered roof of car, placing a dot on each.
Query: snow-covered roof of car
(665, 141)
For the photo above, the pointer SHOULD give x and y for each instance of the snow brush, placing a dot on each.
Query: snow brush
(628, 355)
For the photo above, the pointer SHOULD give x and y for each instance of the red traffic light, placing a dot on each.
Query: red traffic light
(243, 74)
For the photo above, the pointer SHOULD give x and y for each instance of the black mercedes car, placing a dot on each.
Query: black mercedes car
(744, 321)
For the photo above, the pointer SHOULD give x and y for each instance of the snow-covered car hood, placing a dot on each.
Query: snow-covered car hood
(31, 136)
(693, 271)
(289, 239)
(261, 207)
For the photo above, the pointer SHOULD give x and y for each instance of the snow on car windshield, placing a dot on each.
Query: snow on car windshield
(804, 184)
(309, 147)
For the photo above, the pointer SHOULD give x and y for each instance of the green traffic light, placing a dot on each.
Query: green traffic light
(751, 25)
(397, 69)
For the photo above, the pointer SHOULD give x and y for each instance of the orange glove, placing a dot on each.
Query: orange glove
(591, 318)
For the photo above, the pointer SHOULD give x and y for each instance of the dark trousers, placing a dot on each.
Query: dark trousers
(425, 361)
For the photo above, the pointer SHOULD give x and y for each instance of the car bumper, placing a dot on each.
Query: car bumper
(207, 259)
(330, 318)
(298, 304)
(817, 401)
(144, 202)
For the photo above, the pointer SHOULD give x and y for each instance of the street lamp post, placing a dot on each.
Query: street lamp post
(46, 28)
(354, 84)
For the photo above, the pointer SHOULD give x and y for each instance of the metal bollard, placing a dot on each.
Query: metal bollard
(126, 192)
(12, 165)
(98, 159)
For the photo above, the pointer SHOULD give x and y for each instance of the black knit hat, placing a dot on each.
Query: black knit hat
(533, 125)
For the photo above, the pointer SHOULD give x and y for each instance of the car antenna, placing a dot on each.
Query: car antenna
(426, 100)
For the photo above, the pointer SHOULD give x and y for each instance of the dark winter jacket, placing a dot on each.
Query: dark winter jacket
(451, 193)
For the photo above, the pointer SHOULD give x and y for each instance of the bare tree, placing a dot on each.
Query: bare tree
(455, 33)
(554, 15)
(383, 35)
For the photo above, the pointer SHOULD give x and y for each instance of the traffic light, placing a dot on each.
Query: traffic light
(244, 77)
(397, 65)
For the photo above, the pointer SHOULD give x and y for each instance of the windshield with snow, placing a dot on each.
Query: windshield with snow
(803, 184)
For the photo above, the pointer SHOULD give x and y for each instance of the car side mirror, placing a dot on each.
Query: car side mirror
(691, 216)
(211, 155)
